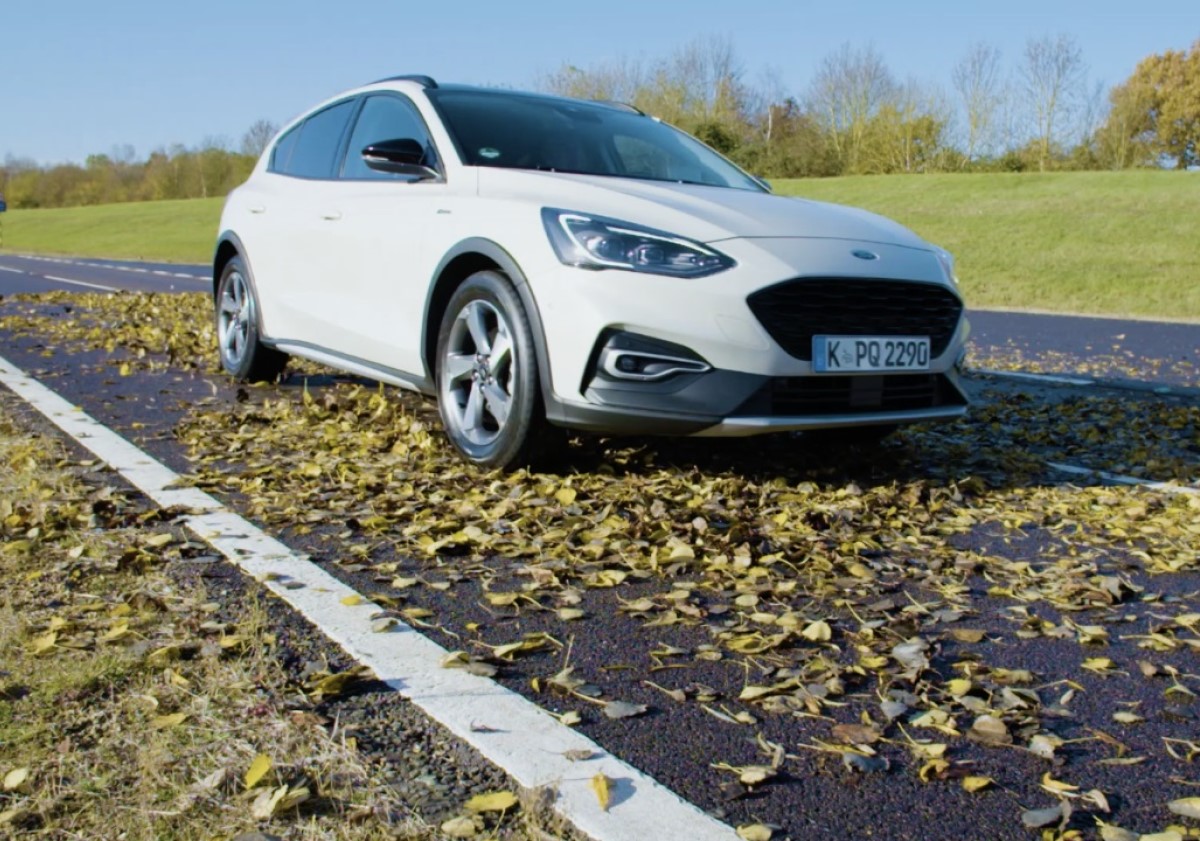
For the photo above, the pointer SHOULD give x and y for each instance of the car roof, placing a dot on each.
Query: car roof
(429, 83)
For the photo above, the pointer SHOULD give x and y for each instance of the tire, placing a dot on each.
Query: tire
(243, 354)
(489, 392)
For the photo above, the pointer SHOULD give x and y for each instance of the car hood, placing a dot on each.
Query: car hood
(707, 214)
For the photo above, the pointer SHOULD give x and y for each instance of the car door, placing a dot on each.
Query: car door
(288, 247)
(376, 258)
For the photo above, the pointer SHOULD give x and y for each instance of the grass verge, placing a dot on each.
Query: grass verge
(1115, 243)
(133, 706)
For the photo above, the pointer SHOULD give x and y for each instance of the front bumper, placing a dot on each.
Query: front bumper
(753, 372)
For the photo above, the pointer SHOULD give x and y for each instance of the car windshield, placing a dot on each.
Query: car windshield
(522, 131)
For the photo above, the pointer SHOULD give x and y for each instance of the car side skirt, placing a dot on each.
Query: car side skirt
(354, 365)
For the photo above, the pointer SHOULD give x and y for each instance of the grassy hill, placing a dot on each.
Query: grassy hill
(1118, 243)
(1097, 242)
(182, 231)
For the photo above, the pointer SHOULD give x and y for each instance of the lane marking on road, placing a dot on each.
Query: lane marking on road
(530, 744)
(112, 267)
(1045, 378)
(99, 286)
(1118, 478)
(7, 269)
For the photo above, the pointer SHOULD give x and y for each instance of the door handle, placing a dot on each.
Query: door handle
(331, 215)
(257, 208)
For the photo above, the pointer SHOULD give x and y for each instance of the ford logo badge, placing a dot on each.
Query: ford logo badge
(863, 254)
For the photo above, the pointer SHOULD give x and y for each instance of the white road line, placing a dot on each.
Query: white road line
(1045, 378)
(7, 269)
(524, 740)
(1117, 478)
(99, 286)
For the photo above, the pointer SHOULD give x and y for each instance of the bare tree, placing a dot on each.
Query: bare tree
(980, 87)
(1054, 77)
(848, 90)
(256, 138)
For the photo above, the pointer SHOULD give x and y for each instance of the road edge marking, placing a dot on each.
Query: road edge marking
(525, 741)
(1121, 479)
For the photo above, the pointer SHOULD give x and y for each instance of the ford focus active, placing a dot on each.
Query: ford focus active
(539, 263)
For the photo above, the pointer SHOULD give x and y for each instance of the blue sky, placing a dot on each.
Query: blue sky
(83, 77)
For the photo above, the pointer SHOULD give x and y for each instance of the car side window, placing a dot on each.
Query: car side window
(385, 118)
(282, 152)
(315, 150)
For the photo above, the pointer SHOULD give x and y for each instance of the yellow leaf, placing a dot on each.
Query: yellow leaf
(460, 827)
(494, 801)
(1056, 786)
(755, 832)
(976, 783)
(352, 599)
(162, 722)
(958, 686)
(1099, 665)
(1189, 807)
(565, 496)
(257, 770)
(567, 614)
(818, 631)
(15, 778)
(44, 644)
(600, 785)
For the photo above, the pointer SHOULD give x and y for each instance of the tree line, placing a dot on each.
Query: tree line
(1038, 111)
(212, 168)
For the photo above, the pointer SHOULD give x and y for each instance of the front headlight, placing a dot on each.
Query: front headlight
(594, 242)
(947, 261)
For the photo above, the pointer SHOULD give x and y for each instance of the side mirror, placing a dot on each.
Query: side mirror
(402, 156)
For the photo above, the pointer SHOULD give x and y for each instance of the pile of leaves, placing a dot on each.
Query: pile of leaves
(886, 610)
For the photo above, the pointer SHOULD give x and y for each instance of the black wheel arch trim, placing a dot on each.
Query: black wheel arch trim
(232, 239)
(508, 265)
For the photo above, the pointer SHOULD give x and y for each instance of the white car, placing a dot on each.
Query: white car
(539, 263)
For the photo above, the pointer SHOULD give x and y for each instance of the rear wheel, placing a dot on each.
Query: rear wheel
(489, 393)
(243, 355)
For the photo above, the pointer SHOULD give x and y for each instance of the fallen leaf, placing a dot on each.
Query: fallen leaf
(601, 785)
(460, 827)
(1188, 807)
(973, 783)
(15, 778)
(257, 770)
(755, 832)
(623, 709)
(494, 801)
(162, 722)
(1037, 818)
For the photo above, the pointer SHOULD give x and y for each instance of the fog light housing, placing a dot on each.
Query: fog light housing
(647, 367)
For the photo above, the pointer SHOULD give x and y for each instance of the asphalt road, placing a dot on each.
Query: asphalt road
(24, 273)
(818, 796)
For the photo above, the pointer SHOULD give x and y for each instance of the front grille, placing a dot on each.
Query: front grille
(796, 310)
(840, 395)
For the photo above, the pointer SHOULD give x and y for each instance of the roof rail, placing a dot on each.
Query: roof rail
(425, 81)
(623, 106)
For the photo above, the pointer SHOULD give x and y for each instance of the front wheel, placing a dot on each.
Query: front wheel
(243, 355)
(489, 393)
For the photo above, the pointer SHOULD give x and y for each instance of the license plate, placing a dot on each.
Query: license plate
(847, 354)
